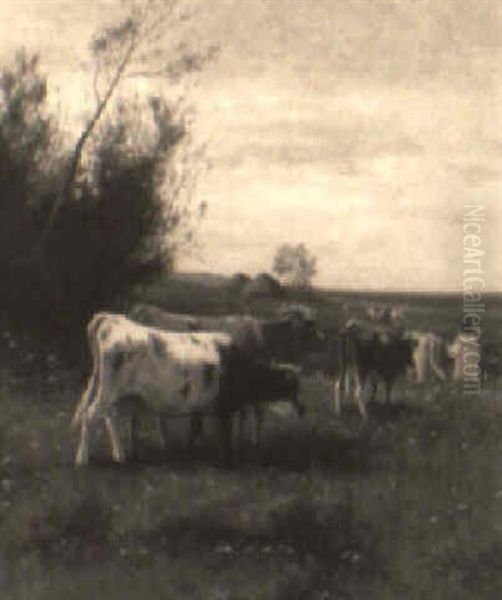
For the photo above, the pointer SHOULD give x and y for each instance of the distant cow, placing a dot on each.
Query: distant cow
(474, 360)
(386, 314)
(430, 358)
(170, 373)
(370, 350)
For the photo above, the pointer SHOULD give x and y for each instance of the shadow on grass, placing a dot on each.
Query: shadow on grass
(299, 452)
(330, 537)
(345, 446)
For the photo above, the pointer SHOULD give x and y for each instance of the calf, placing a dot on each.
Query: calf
(256, 385)
(265, 384)
(370, 350)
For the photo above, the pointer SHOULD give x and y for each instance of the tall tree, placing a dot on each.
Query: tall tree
(135, 46)
(80, 233)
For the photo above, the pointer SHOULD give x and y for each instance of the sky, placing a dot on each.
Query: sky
(361, 128)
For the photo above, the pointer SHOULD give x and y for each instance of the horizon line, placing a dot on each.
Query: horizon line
(349, 289)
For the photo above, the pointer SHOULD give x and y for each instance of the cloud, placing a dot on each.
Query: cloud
(360, 128)
(475, 173)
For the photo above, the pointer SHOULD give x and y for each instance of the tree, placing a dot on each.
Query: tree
(130, 48)
(81, 227)
(30, 158)
(122, 228)
(294, 265)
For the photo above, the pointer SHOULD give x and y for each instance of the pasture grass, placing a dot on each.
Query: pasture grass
(408, 505)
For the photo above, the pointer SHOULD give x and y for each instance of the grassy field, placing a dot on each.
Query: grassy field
(407, 506)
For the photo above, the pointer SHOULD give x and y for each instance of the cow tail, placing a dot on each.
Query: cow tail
(85, 400)
(88, 395)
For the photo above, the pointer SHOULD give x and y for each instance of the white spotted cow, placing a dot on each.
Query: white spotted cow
(170, 373)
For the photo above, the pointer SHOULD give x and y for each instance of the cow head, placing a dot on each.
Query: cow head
(303, 320)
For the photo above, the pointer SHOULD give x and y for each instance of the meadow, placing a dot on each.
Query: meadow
(406, 506)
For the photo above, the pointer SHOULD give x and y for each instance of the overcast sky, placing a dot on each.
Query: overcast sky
(359, 127)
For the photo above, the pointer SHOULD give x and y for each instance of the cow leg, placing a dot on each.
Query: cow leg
(241, 427)
(359, 395)
(196, 429)
(82, 456)
(343, 388)
(113, 433)
(374, 387)
(134, 424)
(337, 396)
(163, 432)
(257, 416)
(225, 422)
(388, 390)
(298, 405)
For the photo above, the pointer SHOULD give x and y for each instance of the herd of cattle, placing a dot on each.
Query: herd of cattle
(176, 365)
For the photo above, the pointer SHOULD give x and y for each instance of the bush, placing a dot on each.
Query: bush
(120, 220)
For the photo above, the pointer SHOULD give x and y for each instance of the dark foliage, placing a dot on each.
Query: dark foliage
(119, 221)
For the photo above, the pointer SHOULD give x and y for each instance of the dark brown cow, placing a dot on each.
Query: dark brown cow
(370, 350)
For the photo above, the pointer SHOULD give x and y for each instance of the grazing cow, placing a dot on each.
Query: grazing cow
(430, 358)
(474, 361)
(262, 339)
(155, 317)
(168, 373)
(370, 350)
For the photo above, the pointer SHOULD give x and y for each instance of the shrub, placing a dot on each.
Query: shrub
(119, 221)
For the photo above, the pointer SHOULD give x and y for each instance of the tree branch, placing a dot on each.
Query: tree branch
(79, 146)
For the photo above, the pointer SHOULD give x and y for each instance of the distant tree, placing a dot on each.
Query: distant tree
(294, 265)
(263, 285)
(237, 282)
